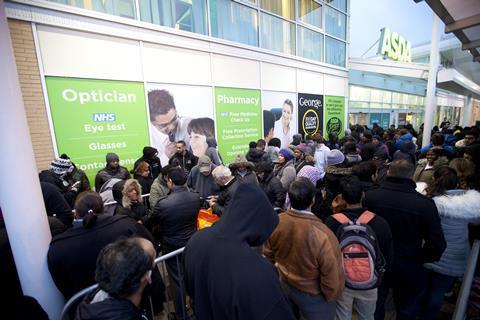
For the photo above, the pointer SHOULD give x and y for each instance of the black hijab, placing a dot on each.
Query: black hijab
(225, 277)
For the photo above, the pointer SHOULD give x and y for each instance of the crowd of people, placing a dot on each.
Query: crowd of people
(313, 229)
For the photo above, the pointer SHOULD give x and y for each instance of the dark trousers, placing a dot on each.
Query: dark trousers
(437, 285)
(408, 284)
(176, 274)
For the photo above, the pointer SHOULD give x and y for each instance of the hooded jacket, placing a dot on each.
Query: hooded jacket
(406, 137)
(50, 177)
(108, 309)
(224, 276)
(456, 209)
(204, 185)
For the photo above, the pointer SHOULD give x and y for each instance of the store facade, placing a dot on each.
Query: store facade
(87, 69)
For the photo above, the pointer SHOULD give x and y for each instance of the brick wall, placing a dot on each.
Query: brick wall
(33, 99)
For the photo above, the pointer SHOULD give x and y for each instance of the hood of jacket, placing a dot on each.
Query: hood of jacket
(111, 309)
(459, 204)
(249, 216)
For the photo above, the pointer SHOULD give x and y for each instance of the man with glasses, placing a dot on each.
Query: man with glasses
(167, 125)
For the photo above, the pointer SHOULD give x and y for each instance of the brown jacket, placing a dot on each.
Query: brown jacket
(306, 254)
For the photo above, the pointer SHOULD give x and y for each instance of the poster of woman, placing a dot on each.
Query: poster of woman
(282, 105)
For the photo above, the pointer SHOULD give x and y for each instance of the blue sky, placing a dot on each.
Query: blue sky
(411, 20)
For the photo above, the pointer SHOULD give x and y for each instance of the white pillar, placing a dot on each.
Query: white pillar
(467, 110)
(20, 194)
(431, 100)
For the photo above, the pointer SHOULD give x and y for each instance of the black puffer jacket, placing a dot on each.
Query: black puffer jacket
(50, 177)
(107, 173)
(226, 194)
(175, 217)
(274, 190)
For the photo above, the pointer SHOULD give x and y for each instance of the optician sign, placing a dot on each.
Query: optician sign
(394, 47)
(93, 117)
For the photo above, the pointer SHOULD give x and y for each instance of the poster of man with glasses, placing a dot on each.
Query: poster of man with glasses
(172, 109)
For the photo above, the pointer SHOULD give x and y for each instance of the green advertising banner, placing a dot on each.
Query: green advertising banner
(334, 115)
(94, 117)
(238, 120)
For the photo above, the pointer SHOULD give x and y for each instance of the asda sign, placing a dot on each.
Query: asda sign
(394, 47)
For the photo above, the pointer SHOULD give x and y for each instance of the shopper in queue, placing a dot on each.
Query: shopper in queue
(113, 169)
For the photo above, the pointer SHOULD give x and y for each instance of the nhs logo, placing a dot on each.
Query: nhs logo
(104, 117)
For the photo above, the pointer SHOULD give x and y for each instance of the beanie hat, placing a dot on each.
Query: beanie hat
(303, 148)
(335, 157)
(312, 173)
(287, 154)
(61, 166)
(149, 152)
(111, 157)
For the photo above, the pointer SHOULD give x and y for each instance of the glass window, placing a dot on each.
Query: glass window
(310, 12)
(121, 8)
(310, 44)
(358, 105)
(335, 23)
(396, 97)
(335, 52)
(359, 94)
(233, 21)
(284, 8)
(277, 34)
(339, 4)
(187, 15)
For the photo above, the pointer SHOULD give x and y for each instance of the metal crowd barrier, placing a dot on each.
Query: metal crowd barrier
(462, 301)
(75, 300)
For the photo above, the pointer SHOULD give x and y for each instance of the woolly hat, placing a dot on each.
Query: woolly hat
(149, 152)
(335, 157)
(111, 157)
(61, 166)
(312, 173)
(286, 153)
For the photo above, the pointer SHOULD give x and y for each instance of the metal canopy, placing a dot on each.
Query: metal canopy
(462, 18)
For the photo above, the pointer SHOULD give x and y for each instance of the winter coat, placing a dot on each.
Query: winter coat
(205, 186)
(158, 190)
(79, 175)
(145, 183)
(413, 220)
(73, 254)
(55, 204)
(422, 174)
(272, 153)
(186, 162)
(285, 173)
(457, 209)
(352, 159)
(107, 173)
(62, 185)
(274, 190)
(225, 196)
(175, 217)
(107, 309)
(225, 278)
(317, 270)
